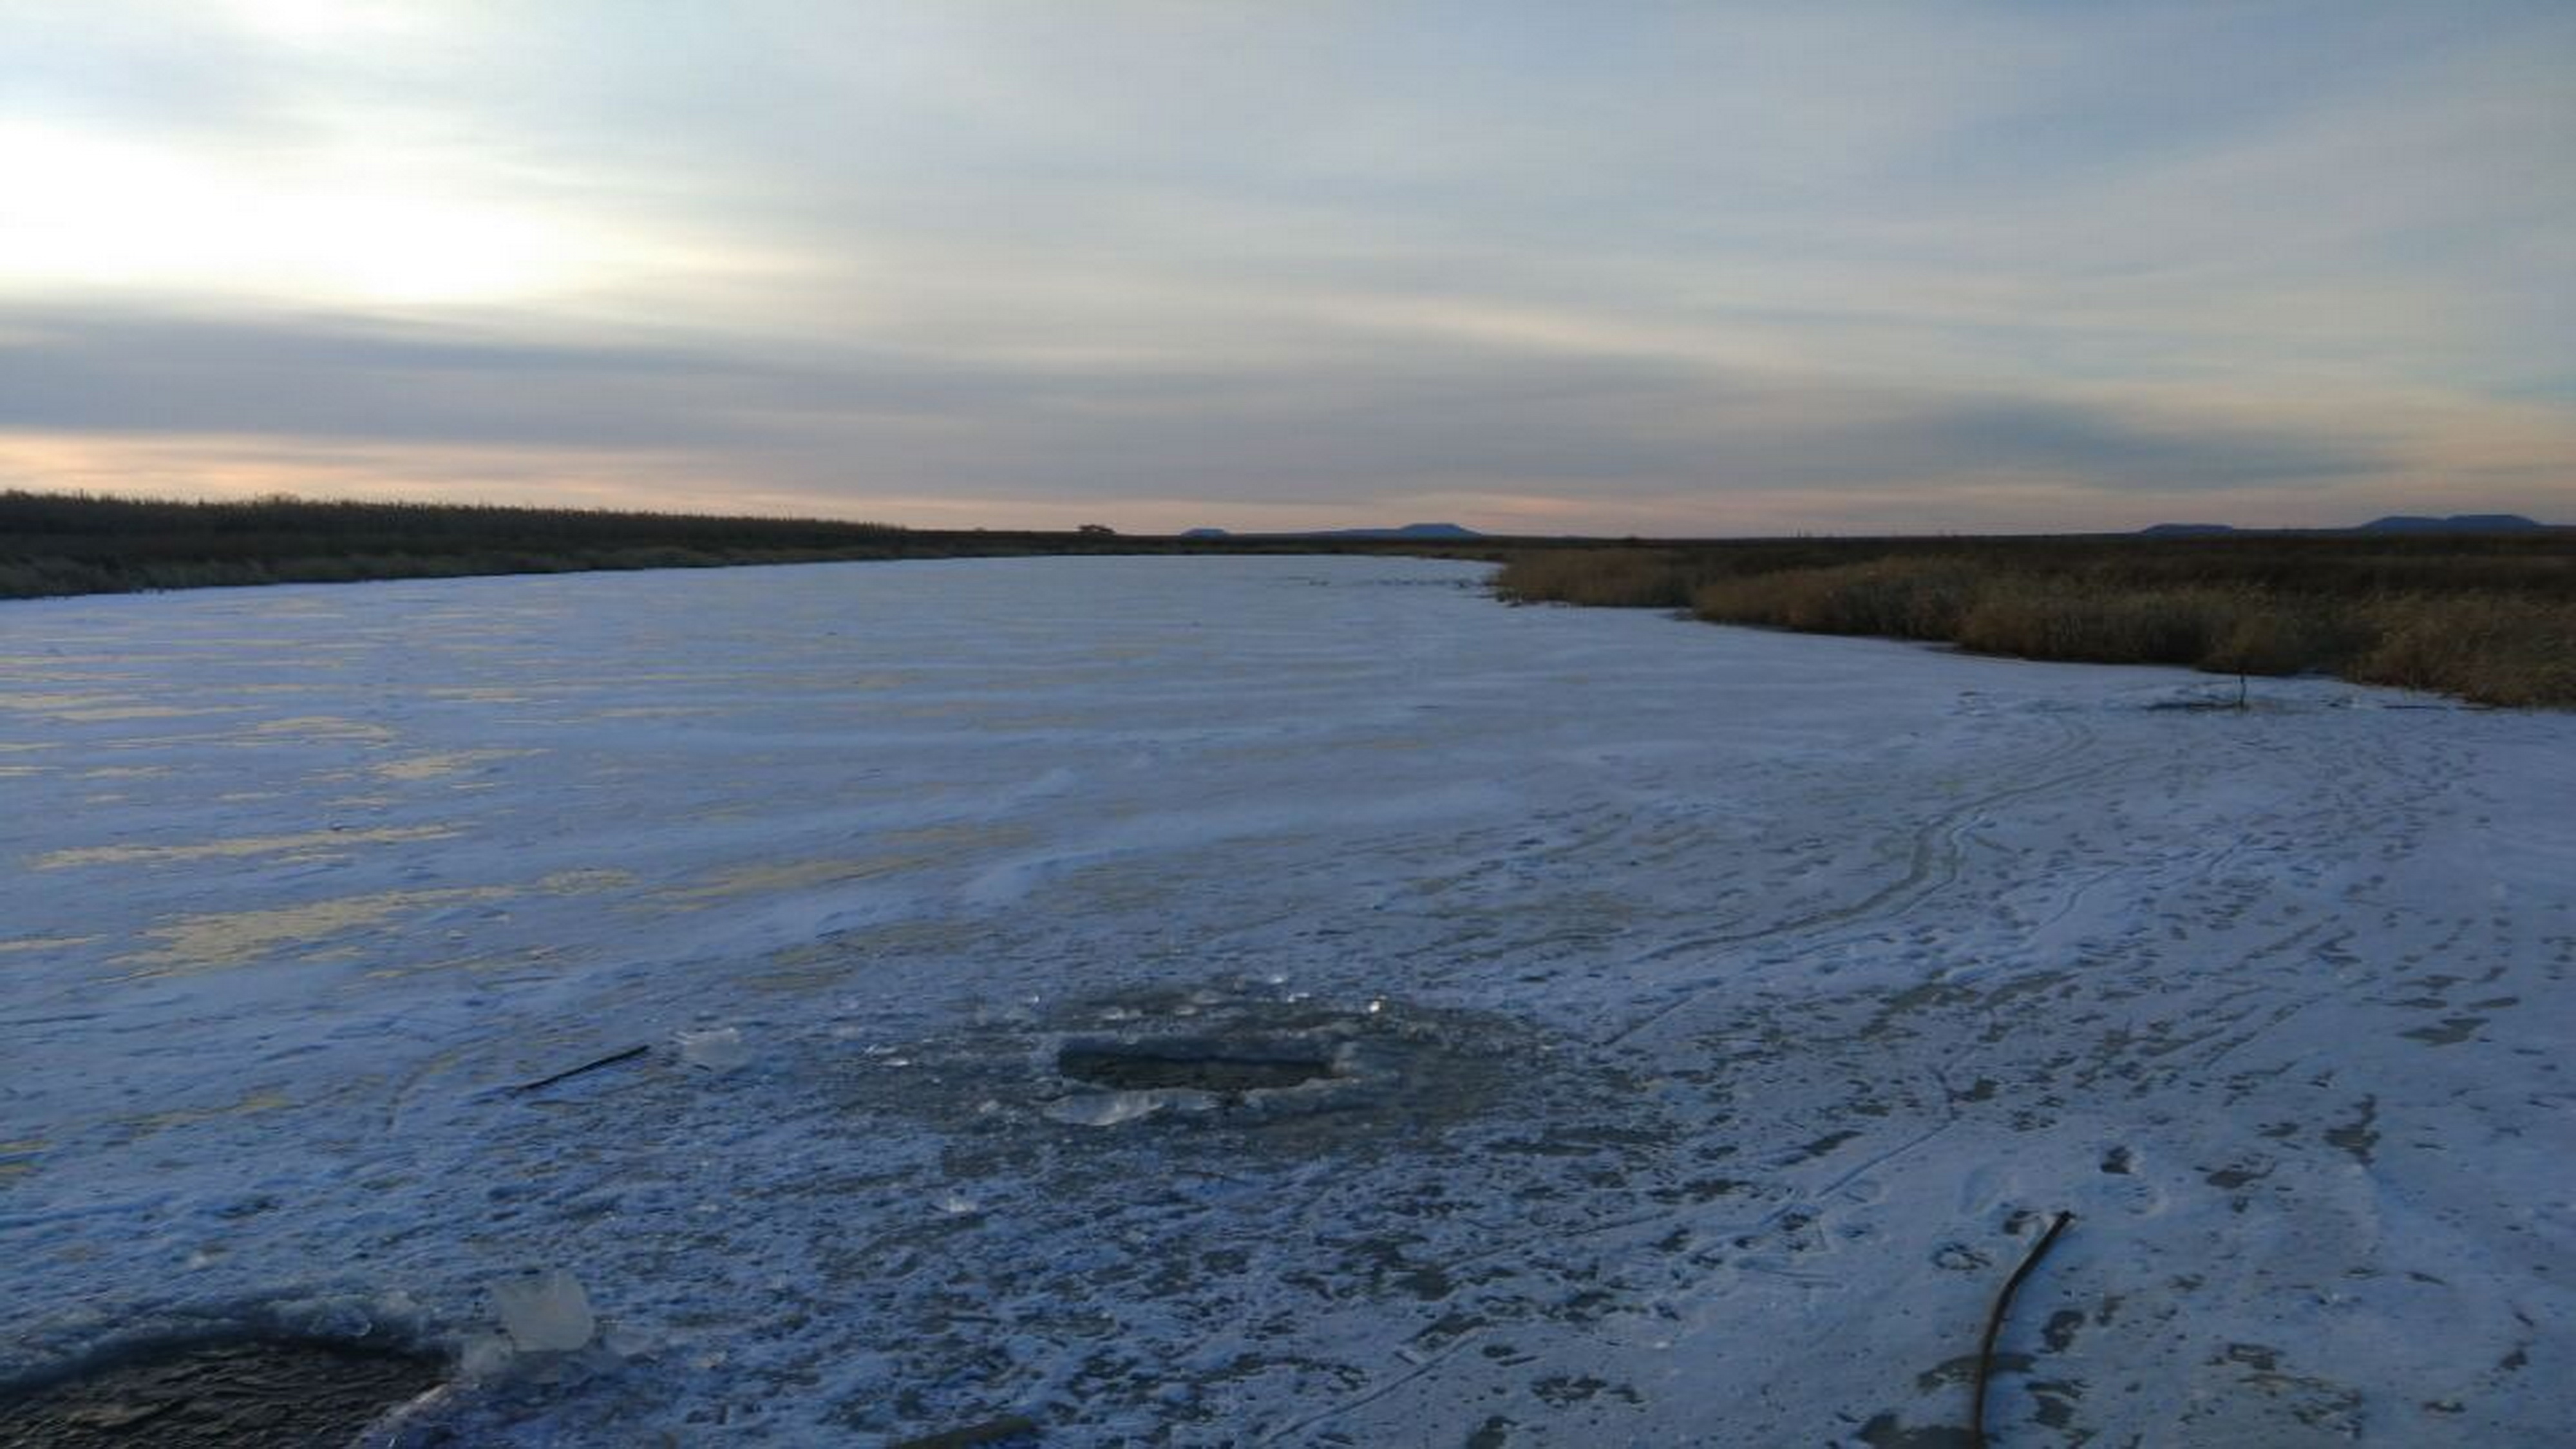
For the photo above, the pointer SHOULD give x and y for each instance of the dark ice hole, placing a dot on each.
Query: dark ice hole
(255, 1393)
(1145, 1066)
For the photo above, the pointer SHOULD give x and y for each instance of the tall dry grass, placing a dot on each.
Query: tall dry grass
(1602, 578)
(1908, 599)
(2496, 650)
(2494, 627)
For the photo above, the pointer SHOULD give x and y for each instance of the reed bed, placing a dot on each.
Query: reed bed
(2488, 619)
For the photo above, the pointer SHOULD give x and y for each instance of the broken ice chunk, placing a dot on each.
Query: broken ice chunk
(483, 1355)
(717, 1049)
(545, 1312)
(1108, 1109)
(1104, 1109)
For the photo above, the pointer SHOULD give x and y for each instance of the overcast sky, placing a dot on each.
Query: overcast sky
(1566, 267)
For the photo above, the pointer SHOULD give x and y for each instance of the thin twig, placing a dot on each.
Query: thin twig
(1995, 1326)
(610, 1060)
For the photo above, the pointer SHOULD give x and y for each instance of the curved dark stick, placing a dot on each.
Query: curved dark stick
(1995, 1326)
(610, 1060)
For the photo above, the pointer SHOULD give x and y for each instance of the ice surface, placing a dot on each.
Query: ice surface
(545, 1312)
(1751, 999)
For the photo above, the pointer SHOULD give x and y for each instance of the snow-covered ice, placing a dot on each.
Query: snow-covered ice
(1715, 1016)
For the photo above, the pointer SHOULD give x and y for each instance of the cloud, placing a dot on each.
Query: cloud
(1387, 417)
(1674, 261)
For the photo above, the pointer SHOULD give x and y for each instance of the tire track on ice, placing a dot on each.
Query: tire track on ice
(1933, 866)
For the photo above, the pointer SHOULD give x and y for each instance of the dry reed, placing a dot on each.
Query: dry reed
(2489, 622)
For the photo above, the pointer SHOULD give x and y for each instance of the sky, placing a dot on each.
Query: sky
(1606, 268)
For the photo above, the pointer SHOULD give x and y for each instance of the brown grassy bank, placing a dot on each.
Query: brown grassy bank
(57, 543)
(2490, 618)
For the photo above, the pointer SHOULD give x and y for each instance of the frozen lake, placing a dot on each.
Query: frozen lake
(1641, 1032)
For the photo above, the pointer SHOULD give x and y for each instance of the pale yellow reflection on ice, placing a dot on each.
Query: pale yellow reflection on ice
(250, 1104)
(929, 846)
(45, 943)
(448, 762)
(239, 845)
(326, 727)
(234, 938)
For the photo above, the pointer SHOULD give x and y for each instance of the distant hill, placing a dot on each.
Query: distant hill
(1410, 530)
(2456, 523)
(2393, 523)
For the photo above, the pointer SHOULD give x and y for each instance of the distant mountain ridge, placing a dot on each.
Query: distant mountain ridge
(2393, 523)
(2456, 523)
